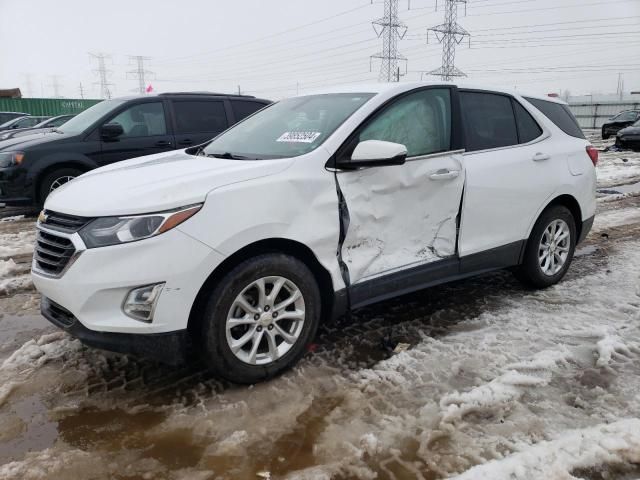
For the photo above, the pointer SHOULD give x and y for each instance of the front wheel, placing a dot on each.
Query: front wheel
(56, 179)
(260, 318)
(550, 248)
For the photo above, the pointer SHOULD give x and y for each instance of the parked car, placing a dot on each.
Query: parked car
(618, 122)
(6, 116)
(22, 122)
(629, 137)
(110, 131)
(315, 205)
(42, 127)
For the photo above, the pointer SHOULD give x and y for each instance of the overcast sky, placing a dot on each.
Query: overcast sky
(275, 48)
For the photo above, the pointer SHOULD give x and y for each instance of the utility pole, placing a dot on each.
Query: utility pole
(390, 29)
(55, 84)
(620, 89)
(140, 72)
(103, 73)
(81, 89)
(450, 34)
(239, 91)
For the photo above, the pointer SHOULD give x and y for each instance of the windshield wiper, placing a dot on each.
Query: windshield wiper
(228, 155)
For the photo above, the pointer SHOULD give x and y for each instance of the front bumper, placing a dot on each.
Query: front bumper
(15, 190)
(94, 286)
(171, 348)
(630, 142)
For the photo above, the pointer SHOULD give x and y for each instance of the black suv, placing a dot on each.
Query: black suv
(618, 122)
(113, 130)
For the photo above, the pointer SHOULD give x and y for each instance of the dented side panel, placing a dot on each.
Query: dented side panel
(399, 216)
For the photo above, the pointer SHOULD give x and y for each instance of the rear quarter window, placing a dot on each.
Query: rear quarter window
(560, 115)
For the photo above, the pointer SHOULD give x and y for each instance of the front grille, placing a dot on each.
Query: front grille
(63, 222)
(52, 253)
(57, 314)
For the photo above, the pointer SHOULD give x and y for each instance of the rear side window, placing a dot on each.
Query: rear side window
(528, 128)
(244, 108)
(489, 121)
(560, 115)
(195, 116)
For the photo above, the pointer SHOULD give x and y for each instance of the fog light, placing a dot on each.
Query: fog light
(140, 303)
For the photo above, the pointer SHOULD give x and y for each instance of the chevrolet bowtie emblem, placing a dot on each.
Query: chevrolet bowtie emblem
(42, 218)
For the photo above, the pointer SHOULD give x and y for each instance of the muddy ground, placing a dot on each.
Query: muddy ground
(490, 371)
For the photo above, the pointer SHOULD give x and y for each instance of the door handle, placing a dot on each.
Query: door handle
(163, 143)
(186, 141)
(444, 174)
(539, 157)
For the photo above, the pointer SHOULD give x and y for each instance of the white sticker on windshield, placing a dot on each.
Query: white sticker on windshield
(298, 137)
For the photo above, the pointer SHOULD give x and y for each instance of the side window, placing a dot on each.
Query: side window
(143, 120)
(420, 121)
(198, 116)
(488, 121)
(528, 128)
(244, 108)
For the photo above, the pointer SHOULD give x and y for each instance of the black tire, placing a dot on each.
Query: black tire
(605, 136)
(50, 179)
(530, 271)
(213, 343)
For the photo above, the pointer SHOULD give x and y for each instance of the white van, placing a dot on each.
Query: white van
(313, 206)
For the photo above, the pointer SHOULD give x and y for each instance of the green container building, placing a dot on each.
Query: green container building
(46, 106)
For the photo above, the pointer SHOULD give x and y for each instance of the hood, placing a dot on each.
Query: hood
(154, 183)
(629, 131)
(25, 141)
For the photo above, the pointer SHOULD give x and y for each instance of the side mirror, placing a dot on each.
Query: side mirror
(375, 153)
(109, 131)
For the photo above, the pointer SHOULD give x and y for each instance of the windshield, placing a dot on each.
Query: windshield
(289, 128)
(82, 121)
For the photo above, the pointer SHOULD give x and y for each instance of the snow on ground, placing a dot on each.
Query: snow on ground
(614, 168)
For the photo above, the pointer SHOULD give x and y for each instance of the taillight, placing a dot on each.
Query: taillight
(593, 154)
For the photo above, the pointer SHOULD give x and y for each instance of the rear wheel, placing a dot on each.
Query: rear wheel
(550, 248)
(56, 179)
(605, 135)
(260, 318)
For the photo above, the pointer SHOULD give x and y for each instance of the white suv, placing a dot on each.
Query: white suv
(313, 206)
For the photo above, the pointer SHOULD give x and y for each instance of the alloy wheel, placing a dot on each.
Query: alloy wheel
(265, 320)
(553, 250)
(58, 182)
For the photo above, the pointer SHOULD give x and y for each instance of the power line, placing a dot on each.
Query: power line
(140, 72)
(449, 34)
(103, 73)
(390, 29)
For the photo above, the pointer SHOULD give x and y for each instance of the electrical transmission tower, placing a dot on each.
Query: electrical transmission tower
(102, 72)
(140, 72)
(450, 34)
(29, 85)
(390, 29)
(55, 85)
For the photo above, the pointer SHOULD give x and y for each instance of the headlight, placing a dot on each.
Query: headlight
(105, 231)
(8, 159)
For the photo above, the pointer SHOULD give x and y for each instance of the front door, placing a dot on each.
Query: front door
(145, 133)
(404, 216)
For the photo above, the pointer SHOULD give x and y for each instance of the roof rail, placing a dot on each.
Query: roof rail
(207, 93)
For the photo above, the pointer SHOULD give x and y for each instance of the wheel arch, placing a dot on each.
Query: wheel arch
(270, 245)
(79, 164)
(568, 201)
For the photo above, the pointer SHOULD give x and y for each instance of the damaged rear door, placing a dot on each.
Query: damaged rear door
(404, 216)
